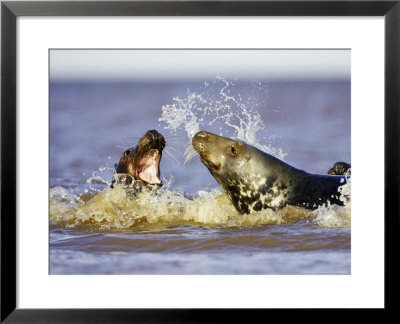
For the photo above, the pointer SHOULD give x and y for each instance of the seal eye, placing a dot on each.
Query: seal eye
(127, 152)
(233, 150)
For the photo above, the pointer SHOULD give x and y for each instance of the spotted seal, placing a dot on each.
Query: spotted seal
(255, 180)
(141, 163)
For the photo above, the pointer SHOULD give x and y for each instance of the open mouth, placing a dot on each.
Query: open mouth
(148, 167)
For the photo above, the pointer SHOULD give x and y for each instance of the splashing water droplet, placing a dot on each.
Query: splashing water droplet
(220, 104)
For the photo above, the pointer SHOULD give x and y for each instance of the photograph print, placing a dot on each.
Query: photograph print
(209, 161)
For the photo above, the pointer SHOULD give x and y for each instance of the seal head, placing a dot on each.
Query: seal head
(143, 161)
(255, 180)
(340, 168)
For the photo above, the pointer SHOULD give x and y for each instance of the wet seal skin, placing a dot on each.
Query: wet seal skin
(255, 180)
(140, 165)
(340, 168)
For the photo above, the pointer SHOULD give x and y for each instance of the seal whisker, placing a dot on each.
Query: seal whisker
(173, 157)
(190, 153)
(174, 149)
(127, 142)
(129, 138)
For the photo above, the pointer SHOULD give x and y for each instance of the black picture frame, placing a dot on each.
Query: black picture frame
(10, 10)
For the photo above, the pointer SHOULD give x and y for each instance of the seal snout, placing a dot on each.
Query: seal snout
(203, 144)
(198, 141)
(201, 134)
(155, 138)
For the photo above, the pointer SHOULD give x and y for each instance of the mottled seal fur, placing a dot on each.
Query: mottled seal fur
(141, 163)
(255, 180)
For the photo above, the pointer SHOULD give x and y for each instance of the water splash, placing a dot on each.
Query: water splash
(224, 107)
(116, 209)
(333, 216)
(99, 177)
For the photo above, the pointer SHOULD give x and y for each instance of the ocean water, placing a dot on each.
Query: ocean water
(189, 226)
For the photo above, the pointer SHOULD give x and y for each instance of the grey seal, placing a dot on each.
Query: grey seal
(141, 164)
(255, 180)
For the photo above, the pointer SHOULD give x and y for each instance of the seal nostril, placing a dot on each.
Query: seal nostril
(200, 134)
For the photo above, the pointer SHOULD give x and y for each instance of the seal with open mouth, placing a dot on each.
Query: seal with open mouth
(142, 162)
(255, 180)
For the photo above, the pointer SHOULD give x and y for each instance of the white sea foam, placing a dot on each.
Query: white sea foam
(332, 216)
